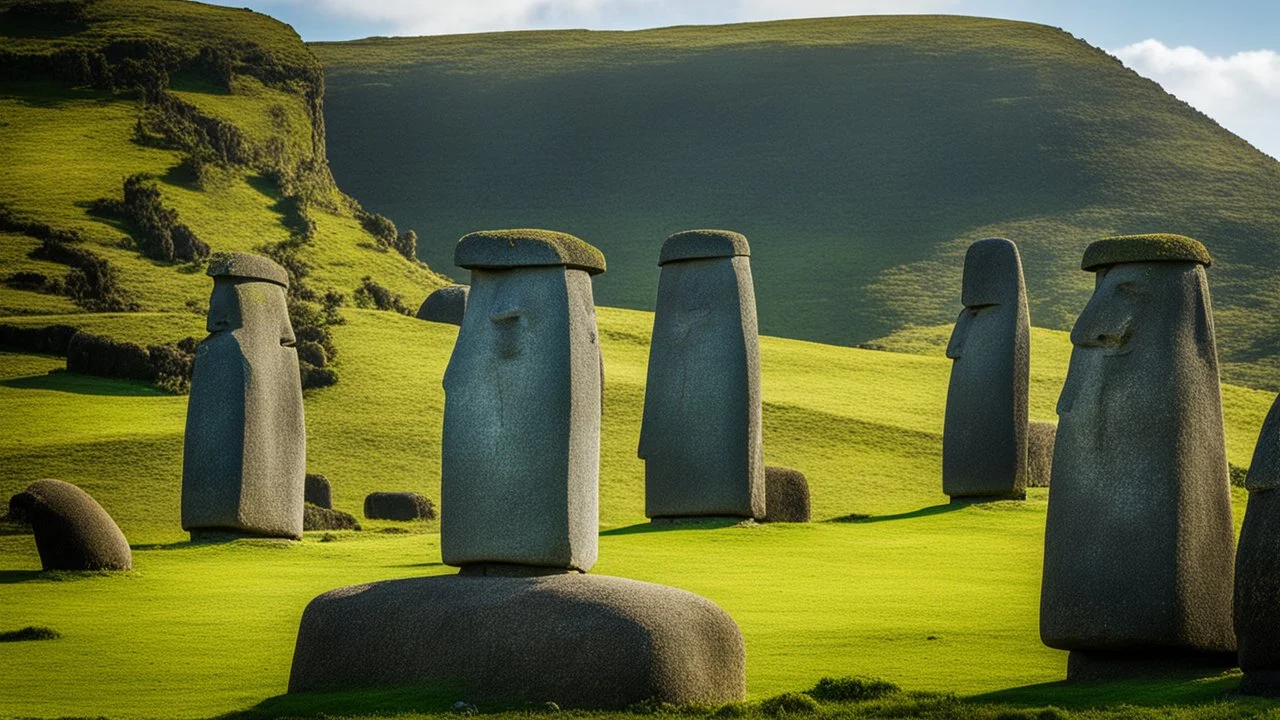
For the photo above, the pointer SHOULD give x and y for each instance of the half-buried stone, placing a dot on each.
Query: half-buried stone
(1257, 593)
(245, 447)
(786, 495)
(984, 437)
(72, 531)
(398, 506)
(446, 305)
(700, 437)
(1139, 547)
(318, 491)
(522, 622)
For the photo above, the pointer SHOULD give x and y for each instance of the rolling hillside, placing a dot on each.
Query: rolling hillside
(215, 114)
(860, 156)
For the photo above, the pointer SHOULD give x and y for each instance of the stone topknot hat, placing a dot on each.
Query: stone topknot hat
(695, 244)
(1144, 248)
(249, 267)
(490, 249)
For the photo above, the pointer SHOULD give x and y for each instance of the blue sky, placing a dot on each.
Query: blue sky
(1220, 56)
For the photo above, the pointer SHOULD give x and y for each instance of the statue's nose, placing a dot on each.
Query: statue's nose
(1102, 325)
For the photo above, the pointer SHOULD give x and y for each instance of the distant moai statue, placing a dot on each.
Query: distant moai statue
(446, 305)
(700, 436)
(984, 440)
(244, 452)
(521, 445)
(1257, 596)
(1138, 558)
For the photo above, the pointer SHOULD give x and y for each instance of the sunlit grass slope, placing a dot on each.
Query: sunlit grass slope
(860, 155)
(924, 594)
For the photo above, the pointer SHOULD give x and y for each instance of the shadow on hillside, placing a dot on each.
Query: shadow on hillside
(1192, 687)
(81, 385)
(397, 701)
(690, 524)
(13, 577)
(922, 512)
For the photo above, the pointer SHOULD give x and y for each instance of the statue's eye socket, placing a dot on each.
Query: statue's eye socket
(1129, 288)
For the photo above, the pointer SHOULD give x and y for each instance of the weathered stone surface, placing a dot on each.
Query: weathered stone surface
(521, 444)
(700, 437)
(1257, 590)
(786, 495)
(984, 439)
(398, 506)
(526, 247)
(315, 517)
(1138, 540)
(317, 491)
(1040, 440)
(446, 305)
(72, 531)
(577, 640)
(244, 454)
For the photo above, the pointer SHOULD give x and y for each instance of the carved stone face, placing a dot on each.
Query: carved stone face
(256, 306)
(984, 437)
(521, 446)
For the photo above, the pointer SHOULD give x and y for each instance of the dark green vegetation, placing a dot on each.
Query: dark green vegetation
(1144, 248)
(31, 632)
(860, 156)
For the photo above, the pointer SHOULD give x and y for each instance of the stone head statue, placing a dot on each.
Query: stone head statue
(521, 445)
(984, 441)
(244, 452)
(700, 436)
(1139, 538)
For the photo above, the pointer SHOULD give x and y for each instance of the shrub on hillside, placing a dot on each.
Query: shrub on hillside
(35, 282)
(48, 340)
(317, 335)
(372, 295)
(92, 282)
(852, 689)
(312, 353)
(791, 703)
(91, 354)
(316, 377)
(1237, 474)
(315, 517)
(171, 368)
(406, 244)
(159, 235)
(11, 221)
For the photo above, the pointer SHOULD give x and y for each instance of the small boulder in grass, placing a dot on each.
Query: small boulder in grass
(398, 506)
(315, 517)
(318, 491)
(72, 531)
(786, 495)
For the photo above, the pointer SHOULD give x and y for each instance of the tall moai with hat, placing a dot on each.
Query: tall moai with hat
(700, 437)
(522, 621)
(984, 438)
(1257, 592)
(1139, 543)
(245, 447)
(521, 440)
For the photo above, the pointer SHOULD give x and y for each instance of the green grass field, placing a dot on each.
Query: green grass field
(889, 581)
(932, 597)
(860, 155)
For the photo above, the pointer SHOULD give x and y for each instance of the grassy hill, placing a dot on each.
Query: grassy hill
(218, 109)
(860, 156)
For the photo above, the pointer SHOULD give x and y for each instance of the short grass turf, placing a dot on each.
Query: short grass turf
(931, 597)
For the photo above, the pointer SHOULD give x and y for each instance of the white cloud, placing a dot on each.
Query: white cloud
(437, 17)
(1241, 92)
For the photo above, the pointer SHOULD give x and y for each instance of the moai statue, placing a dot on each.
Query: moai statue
(446, 305)
(984, 440)
(1138, 557)
(1257, 597)
(244, 453)
(700, 436)
(522, 621)
(521, 455)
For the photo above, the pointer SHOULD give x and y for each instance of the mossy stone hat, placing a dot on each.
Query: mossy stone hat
(526, 247)
(1144, 248)
(697, 244)
(248, 267)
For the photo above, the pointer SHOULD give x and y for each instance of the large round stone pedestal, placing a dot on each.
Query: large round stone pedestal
(578, 640)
